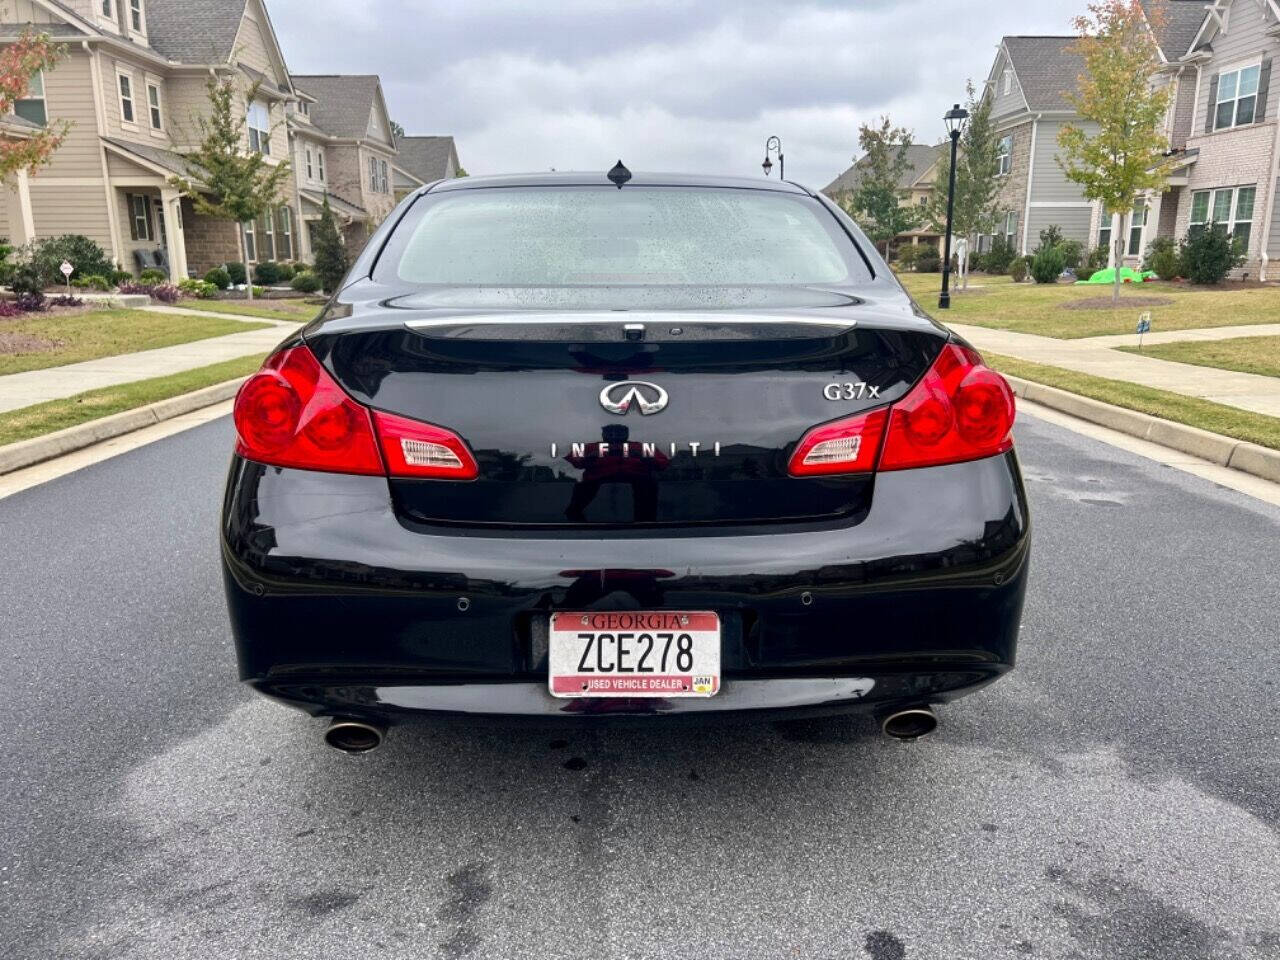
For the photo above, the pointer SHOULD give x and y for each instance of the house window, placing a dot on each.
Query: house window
(259, 123)
(135, 15)
(304, 108)
(1137, 223)
(1004, 156)
(106, 8)
(1230, 206)
(383, 180)
(1010, 228)
(373, 174)
(140, 224)
(284, 234)
(320, 163)
(32, 106)
(310, 168)
(1237, 97)
(153, 106)
(250, 243)
(1104, 232)
(266, 236)
(126, 97)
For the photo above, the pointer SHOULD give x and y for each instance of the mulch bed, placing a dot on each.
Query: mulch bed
(1126, 301)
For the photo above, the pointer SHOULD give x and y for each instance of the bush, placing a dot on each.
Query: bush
(1072, 254)
(1097, 260)
(65, 301)
(907, 254)
(267, 273)
(287, 271)
(31, 302)
(1208, 254)
(1047, 265)
(118, 277)
(166, 293)
(219, 277)
(26, 279)
(95, 281)
(1018, 270)
(152, 276)
(998, 258)
(47, 256)
(236, 272)
(200, 289)
(9, 309)
(1050, 236)
(305, 282)
(928, 261)
(1162, 258)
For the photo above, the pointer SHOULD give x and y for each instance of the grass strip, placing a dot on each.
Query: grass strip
(1215, 417)
(1260, 355)
(291, 310)
(41, 418)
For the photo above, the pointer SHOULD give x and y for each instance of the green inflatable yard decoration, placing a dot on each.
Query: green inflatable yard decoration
(1108, 276)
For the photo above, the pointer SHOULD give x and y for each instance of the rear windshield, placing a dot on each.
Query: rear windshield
(603, 237)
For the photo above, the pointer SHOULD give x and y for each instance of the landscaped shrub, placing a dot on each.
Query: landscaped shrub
(94, 281)
(219, 277)
(236, 272)
(65, 301)
(267, 273)
(166, 293)
(1095, 261)
(907, 255)
(287, 271)
(1208, 254)
(1162, 258)
(998, 258)
(7, 266)
(31, 302)
(1072, 254)
(305, 282)
(152, 276)
(928, 261)
(1018, 270)
(26, 279)
(1050, 236)
(1047, 265)
(10, 309)
(200, 289)
(83, 254)
(118, 277)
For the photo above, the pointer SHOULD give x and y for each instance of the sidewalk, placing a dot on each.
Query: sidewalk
(1244, 391)
(36, 386)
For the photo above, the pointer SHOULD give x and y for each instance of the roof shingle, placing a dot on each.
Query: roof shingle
(1181, 21)
(194, 31)
(427, 158)
(920, 157)
(343, 103)
(1047, 68)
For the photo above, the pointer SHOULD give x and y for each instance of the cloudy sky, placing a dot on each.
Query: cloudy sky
(666, 85)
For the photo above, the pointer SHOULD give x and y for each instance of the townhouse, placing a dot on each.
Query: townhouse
(924, 165)
(133, 86)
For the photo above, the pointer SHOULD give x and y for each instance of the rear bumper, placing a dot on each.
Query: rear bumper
(339, 608)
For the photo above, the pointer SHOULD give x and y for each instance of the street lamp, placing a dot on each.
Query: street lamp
(954, 119)
(774, 144)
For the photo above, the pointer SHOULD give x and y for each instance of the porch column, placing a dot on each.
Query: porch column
(22, 223)
(1151, 229)
(171, 200)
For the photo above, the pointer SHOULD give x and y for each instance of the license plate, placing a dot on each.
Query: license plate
(634, 654)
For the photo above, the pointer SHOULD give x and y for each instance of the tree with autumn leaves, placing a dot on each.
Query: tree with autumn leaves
(1124, 157)
(19, 62)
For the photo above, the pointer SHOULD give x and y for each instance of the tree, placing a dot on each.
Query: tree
(330, 253)
(226, 181)
(976, 180)
(397, 131)
(19, 62)
(1125, 158)
(876, 201)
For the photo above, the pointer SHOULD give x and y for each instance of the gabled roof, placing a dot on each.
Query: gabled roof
(13, 29)
(168, 160)
(343, 104)
(194, 31)
(1046, 68)
(1181, 22)
(344, 208)
(920, 157)
(426, 158)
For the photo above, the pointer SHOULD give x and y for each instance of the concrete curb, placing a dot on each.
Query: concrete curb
(1214, 447)
(26, 453)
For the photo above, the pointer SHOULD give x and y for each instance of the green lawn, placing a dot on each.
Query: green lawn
(1259, 355)
(36, 341)
(1241, 424)
(297, 310)
(1038, 308)
(42, 418)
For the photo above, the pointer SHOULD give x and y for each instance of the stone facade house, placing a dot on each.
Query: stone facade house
(924, 165)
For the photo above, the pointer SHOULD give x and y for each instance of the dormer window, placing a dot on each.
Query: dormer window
(135, 15)
(106, 8)
(1008, 82)
(258, 120)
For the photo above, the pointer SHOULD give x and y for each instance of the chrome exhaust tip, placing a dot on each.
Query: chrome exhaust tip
(354, 736)
(910, 724)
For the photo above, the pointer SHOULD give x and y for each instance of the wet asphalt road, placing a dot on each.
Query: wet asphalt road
(1117, 796)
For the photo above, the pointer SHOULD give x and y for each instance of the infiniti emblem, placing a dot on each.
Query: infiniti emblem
(619, 397)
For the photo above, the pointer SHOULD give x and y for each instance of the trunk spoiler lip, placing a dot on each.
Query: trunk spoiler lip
(623, 318)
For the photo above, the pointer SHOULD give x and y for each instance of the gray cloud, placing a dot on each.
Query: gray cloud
(666, 85)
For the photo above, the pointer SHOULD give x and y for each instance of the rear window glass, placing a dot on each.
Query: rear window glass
(590, 236)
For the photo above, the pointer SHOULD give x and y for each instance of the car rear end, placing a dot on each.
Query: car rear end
(565, 449)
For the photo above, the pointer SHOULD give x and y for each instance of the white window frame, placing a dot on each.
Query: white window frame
(1137, 221)
(36, 91)
(384, 176)
(1233, 220)
(140, 218)
(125, 78)
(155, 111)
(310, 167)
(320, 163)
(1004, 157)
(285, 230)
(1010, 229)
(1104, 232)
(1237, 97)
(137, 19)
(107, 9)
(250, 246)
(260, 134)
(373, 174)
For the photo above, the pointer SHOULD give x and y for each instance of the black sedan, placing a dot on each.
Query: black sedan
(580, 446)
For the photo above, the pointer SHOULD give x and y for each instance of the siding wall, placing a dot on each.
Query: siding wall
(1003, 104)
(1049, 183)
(1273, 247)
(1244, 42)
(1074, 221)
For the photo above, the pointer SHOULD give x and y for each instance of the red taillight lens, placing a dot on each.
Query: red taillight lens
(961, 410)
(291, 413)
(416, 449)
(842, 446)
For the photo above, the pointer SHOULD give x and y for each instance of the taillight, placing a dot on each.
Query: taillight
(960, 410)
(291, 413)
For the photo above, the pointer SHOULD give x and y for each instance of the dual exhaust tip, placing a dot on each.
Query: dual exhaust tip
(360, 736)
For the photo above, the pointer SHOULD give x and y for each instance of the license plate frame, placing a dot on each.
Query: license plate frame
(614, 665)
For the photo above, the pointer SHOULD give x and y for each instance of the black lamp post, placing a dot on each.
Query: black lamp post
(774, 144)
(954, 119)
